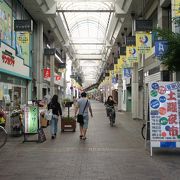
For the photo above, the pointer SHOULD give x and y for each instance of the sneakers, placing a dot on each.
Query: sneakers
(83, 138)
(52, 137)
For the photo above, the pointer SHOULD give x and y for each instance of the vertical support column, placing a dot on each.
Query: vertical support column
(39, 49)
(135, 84)
(52, 59)
(175, 29)
(135, 92)
(120, 94)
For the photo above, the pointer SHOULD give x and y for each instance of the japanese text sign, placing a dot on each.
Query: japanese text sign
(31, 119)
(47, 73)
(164, 111)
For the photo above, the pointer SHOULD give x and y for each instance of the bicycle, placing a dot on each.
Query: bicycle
(145, 131)
(111, 114)
(3, 136)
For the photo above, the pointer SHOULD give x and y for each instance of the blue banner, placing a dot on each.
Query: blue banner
(127, 72)
(160, 47)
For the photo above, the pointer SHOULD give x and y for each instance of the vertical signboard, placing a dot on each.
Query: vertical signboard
(31, 119)
(131, 54)
(23, 45)
(160, 48)
(143, 42)
(5, 23)
(164, 114)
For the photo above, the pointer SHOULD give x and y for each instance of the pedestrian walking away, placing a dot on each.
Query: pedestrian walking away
(56, 112)
(83, 105)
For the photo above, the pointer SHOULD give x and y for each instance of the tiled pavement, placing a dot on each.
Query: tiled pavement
(109, 153)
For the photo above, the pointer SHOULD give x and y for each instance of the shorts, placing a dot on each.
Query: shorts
(86, 120)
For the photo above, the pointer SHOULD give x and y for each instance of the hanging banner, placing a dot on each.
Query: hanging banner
(126, 63)
(130, 40)
(160, 48)
(143, 42)
(164, 103)
(31, 122)
(116, 69)
(47, 73)
(58, 78)
(177, 8)
(127, 72)
(131, 54)
(22, 46)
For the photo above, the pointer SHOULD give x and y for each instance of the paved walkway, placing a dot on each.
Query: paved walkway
(109, 153)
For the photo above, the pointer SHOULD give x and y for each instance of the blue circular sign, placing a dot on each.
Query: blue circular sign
(155, 86)
(155, 104)
(162, 99)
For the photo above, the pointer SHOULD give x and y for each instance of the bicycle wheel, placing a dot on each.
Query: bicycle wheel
(3, 137)
(143, 131)
(111, 120)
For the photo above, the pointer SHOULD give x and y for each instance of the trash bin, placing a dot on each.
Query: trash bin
(16, 123)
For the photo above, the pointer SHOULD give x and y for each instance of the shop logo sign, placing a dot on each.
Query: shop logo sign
(155, 104)
(7, 58)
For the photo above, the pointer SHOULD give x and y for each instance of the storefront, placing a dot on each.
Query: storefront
(15, 56)
(14, 77)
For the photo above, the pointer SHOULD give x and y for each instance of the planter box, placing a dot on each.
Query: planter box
(68, 125)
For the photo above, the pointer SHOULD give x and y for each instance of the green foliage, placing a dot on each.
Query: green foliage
(171, 58)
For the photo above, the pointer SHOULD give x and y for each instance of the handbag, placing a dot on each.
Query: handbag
(48, 114)
(80, 116)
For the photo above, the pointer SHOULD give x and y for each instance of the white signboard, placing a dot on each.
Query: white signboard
(164, 104)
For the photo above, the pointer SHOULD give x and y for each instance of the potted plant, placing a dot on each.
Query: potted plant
(67, 102)
(68, 123)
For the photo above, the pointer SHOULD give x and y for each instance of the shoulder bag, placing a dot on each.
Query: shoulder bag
(80, 116)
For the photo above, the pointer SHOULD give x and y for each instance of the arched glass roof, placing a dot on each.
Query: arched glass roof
(86, 23)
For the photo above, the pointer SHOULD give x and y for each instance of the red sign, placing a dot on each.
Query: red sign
(7, 59)
(58, 78)
(47, 73)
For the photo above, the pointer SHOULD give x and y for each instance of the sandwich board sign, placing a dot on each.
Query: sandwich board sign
(164, 104)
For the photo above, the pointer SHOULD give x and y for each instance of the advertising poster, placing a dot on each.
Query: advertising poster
(31, 119)
(131, 54)
(5, 22)
(127, 72)
(143, 42)
(164, 106)
(124, 61)
(22, 46)
(161, 47)
(177, 8)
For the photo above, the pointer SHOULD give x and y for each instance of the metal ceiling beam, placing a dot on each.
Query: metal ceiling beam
(91, 59)
(90, 43)
(84, 11)
(86, 1)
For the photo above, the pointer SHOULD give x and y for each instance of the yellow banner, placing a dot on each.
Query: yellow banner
(116, 69)
(177, 8)
(23, 38)
(124, 61)
(143, 42)
(131, 53)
